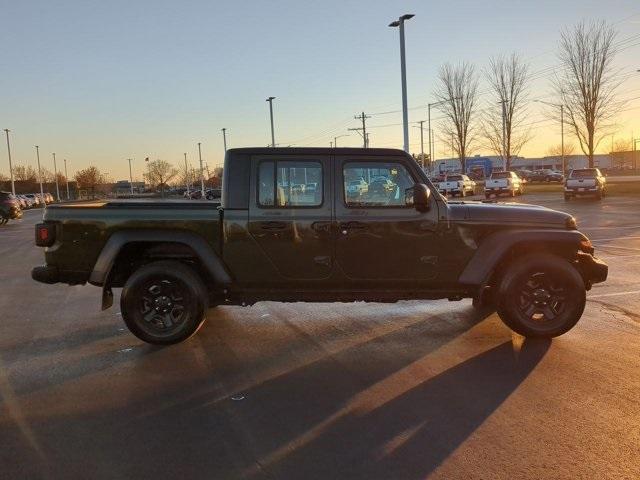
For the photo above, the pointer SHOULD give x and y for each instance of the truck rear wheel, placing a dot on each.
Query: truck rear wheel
(541, 296)
(164, 302)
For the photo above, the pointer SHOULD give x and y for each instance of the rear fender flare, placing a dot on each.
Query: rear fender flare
(494, 248)
(210, 260)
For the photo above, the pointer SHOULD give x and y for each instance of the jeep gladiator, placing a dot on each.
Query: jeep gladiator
(269, 240)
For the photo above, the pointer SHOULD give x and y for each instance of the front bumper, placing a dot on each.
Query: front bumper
(593, 269)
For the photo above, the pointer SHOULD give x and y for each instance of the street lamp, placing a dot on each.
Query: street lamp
(186, 174)
(429, 105)
(201, 173)
(335, 139)
(13, 186)
(67, 178)
(561, 106)
(224, 139)
(44, 204)
(421, 122)
(635, 155)
(130, 177)
(55, 174)
(273, 139)
(403, 73)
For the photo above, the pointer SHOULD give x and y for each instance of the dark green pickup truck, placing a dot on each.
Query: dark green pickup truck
(320, 225)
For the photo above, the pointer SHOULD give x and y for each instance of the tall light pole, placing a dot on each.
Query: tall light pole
(421, 127)
(561, 107)
(273, 138)
(186, 174)
(635, 155)
(224, 139)
(44, 204)
(130, 177)
(13, 185)
(67, 178)
(429, 105)
(55, 174)
(403, 73)
(335, 139)
(201, 173)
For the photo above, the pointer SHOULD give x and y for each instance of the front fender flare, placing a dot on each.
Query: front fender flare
(494, 247)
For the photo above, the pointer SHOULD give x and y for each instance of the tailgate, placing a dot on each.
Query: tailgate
(581, 182)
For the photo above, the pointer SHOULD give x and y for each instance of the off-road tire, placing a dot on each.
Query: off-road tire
(164, 302)
(541, 295)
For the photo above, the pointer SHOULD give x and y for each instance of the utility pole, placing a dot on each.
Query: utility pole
(635, 154)
(362, 131)
(13, 185)
(130, 177)
(44, 204)
(55, 175)
(224, 139)
(186, 174)
(330, 144)
(403, 73)
(201, 172)
(367, 139)
(67, 177)
(273, 138)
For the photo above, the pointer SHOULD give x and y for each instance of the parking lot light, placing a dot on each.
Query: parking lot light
(403, 73)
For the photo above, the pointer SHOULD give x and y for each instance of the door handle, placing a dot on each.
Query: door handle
(321, 226)
(273, 225)
(352, 226)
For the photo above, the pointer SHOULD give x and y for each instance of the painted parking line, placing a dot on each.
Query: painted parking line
(616, 294)
(614, 238)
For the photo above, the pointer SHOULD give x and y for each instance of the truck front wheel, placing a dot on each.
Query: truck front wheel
(541, 296)
(164, 302)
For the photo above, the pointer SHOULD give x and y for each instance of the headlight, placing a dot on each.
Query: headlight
(571, 223)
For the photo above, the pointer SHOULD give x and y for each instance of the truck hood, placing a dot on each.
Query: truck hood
(511, 213)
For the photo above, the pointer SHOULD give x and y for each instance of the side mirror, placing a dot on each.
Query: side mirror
(418, 197)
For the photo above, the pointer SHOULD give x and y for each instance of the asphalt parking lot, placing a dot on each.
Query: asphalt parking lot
(330, 391)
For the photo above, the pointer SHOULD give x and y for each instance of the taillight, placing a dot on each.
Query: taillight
(45, 234)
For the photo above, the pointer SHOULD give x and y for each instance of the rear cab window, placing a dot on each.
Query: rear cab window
(289, 183)
(584, 173)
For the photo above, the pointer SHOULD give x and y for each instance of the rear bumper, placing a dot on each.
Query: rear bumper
(581, 190)
(593, 269)
(45, 274)
(51, 274)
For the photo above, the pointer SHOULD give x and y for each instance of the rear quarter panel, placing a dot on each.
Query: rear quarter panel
(83, 229)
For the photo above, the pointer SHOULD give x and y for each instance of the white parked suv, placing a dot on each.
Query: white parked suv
(503, 182)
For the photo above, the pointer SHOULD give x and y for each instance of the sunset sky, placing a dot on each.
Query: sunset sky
(99, 82)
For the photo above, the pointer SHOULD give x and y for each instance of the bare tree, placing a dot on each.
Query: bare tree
(502, 126)
(159, 173)
(89, 178)
(25, 173)
(458, 91)
(556, 150)
(587, 83)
